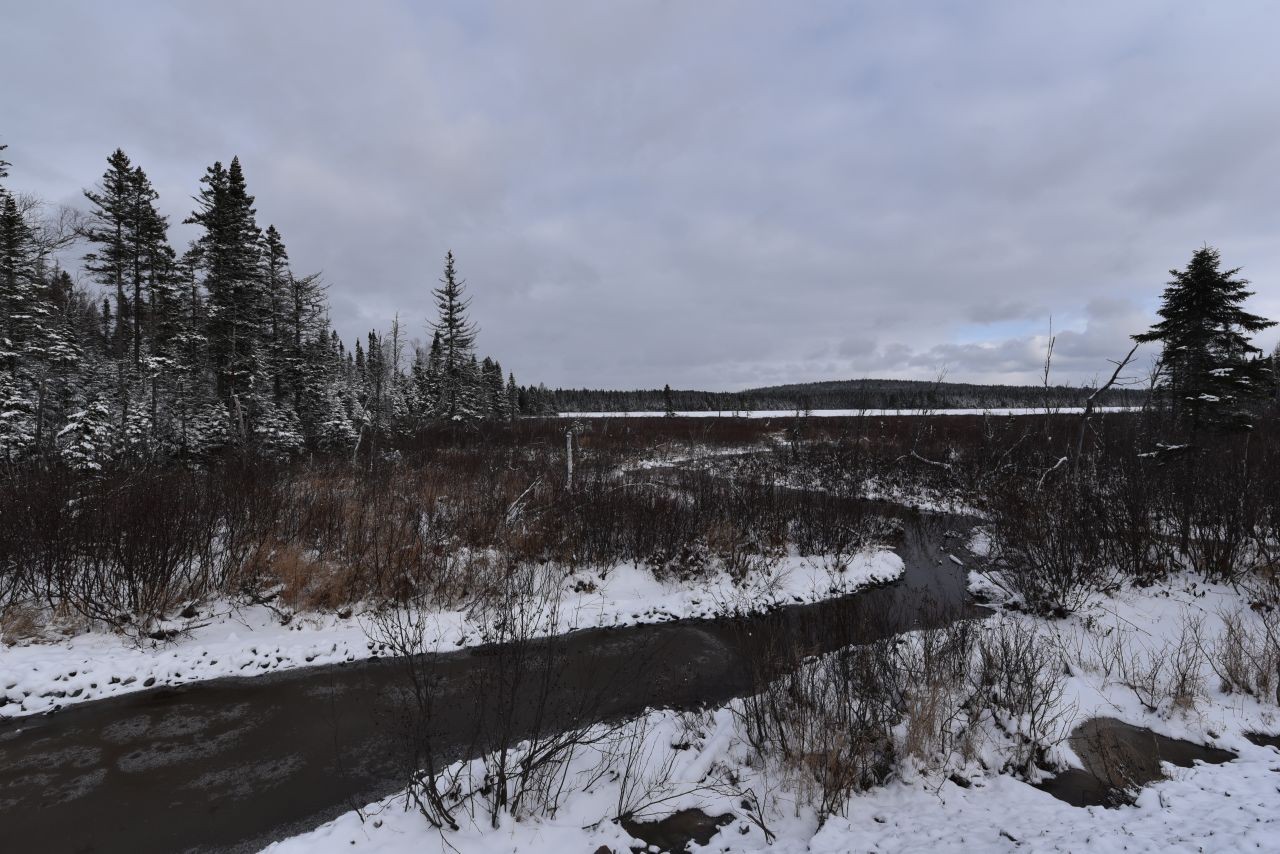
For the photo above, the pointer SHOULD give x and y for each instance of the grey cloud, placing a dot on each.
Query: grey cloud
(715, 194)
(1001, 310)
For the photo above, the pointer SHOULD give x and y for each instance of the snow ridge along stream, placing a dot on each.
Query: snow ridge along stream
(225, 640)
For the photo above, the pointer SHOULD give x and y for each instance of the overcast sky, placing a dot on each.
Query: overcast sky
(712, 195)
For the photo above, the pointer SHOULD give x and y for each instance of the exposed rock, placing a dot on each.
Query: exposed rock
(676, 831)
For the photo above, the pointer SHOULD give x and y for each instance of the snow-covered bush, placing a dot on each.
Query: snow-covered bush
(336, 431)
(88, 439)
(277, 433)
(17, 419)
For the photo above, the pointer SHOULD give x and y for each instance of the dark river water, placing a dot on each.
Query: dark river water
(232, 764)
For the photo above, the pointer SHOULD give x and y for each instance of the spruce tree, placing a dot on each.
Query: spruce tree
(493, 392)
(36, 328)
(158, 319)
(418, 402)
(149, 253)
(17, 271)
(228, 253)
(429, 377)
(398, 391)
(130, 255)
(375, 380)
(111, 232)
(223, 344)
(39, 353)
(86, 441)
(305, 367)
(513, 397)
(17, 419)
(456, 399)
(278, 342)
(1209, 372)
(17, 414)
(1275, 372)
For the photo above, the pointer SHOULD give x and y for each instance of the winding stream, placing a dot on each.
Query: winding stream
(232, 764)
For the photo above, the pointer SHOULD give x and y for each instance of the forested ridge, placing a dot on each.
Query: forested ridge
(842, 394)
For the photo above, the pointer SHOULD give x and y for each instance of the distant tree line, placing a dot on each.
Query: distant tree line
(162, 354)
(840, 394)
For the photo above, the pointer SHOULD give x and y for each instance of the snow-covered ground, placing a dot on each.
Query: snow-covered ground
(223, 640)
(1230, 807)
(845, 413)
(911, 495)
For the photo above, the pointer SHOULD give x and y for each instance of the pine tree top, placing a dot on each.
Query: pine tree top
(1203, 301)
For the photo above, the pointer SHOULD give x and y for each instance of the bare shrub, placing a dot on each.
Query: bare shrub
(37, 512)
(838, 724)
(741, 551)
(1020, 679)
(1246, 655)
(525, 750)
(306, 584)
(1047, 543)
(935, 668)
(1223, 519)
(527, 730)
(1128, 491)
(641, 766)
(829, 723)
(1185, 663)
(1264, 581)
(1169, 673)
(441, 515)
(434, 786)
(1263, 584)
(138, 546)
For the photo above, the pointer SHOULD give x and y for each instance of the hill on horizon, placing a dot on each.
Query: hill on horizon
(842, 394)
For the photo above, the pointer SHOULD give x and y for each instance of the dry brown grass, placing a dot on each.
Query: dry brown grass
(18, 623)
(1246, 655)
(307, 584)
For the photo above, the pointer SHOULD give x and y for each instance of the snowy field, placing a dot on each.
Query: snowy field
(847, 413)
(222, 640)
(964, 807)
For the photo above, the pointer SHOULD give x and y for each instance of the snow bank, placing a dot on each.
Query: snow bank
(228, 641)
(1230, 807)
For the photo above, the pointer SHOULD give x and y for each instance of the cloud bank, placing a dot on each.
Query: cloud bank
(714, 195)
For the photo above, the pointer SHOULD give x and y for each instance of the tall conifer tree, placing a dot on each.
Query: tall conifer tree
(228, 252)
(457, 334)
(1209, 368)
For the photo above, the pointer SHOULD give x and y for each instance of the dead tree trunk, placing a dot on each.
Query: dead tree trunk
(1093, 398)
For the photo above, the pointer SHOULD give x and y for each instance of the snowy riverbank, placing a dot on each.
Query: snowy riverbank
(971, 805)
(47, 673)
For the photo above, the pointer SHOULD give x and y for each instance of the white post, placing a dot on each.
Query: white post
(568, 458)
